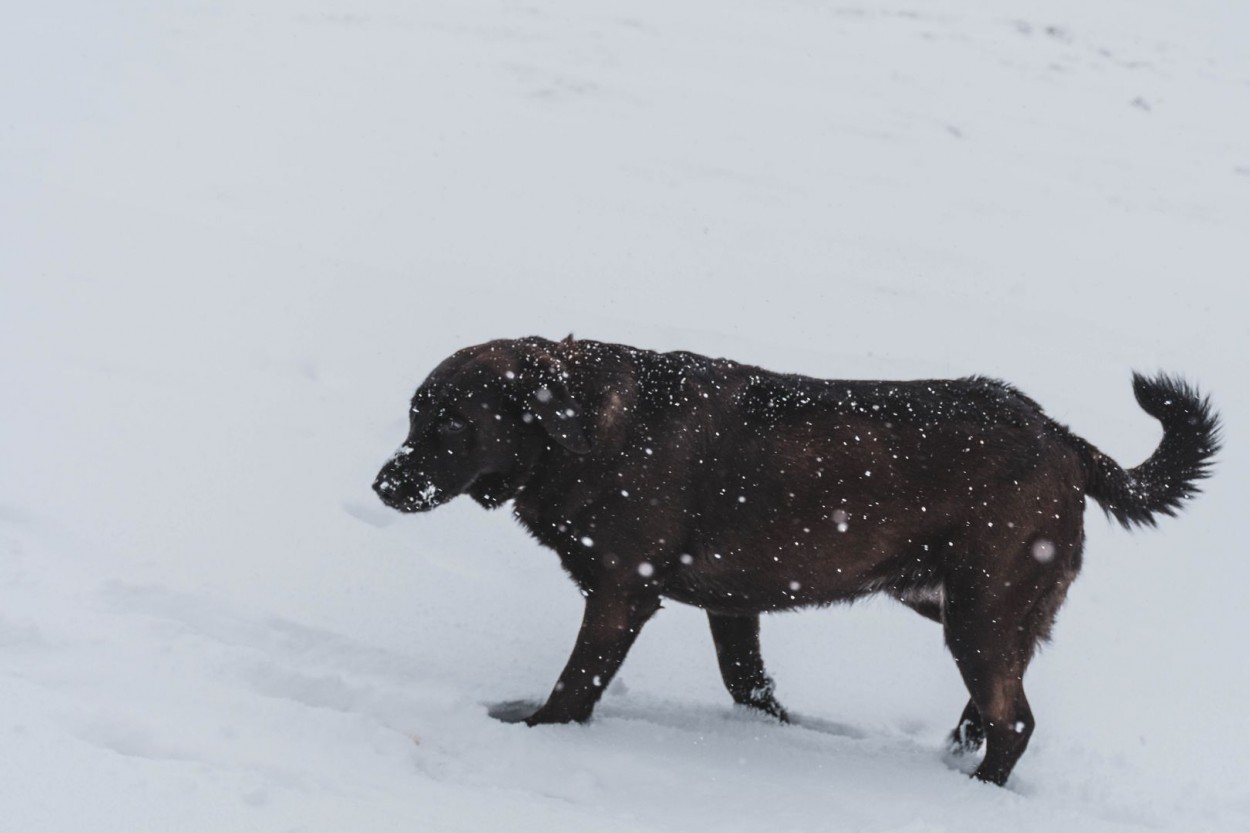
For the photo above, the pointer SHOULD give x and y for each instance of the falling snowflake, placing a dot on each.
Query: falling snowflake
(840, 517)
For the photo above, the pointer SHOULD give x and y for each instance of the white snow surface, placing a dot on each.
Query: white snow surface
(235, 236)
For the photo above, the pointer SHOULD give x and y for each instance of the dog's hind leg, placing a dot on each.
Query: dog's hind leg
(969, 734)
(737, 640)
(992, 650)
(610, 625)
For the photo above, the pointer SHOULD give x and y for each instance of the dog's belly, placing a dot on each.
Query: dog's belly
(746, 582)
(737, 596)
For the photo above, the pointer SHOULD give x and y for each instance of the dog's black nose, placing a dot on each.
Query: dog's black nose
(384, 485)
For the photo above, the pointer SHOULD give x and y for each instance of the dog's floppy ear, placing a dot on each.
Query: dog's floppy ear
(558, 412)
(545, 394)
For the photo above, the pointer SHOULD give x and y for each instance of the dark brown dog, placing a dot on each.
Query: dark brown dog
(741, 491)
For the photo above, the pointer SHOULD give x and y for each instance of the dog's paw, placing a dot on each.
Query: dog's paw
(966, 739)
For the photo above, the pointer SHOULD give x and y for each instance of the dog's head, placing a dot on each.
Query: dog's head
(480, 422)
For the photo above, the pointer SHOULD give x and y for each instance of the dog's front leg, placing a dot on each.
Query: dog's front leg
(737, 640)
(610, 625)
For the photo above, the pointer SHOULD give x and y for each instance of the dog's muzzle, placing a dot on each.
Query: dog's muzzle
(406, 492)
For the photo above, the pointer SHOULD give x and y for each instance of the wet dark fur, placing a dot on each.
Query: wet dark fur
(742, 491)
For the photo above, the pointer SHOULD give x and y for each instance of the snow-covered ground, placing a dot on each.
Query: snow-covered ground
(234, 236)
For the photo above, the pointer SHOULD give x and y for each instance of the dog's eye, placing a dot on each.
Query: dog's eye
(454, 425)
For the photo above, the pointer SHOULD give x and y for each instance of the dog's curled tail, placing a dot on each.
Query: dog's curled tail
(1161, 485)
